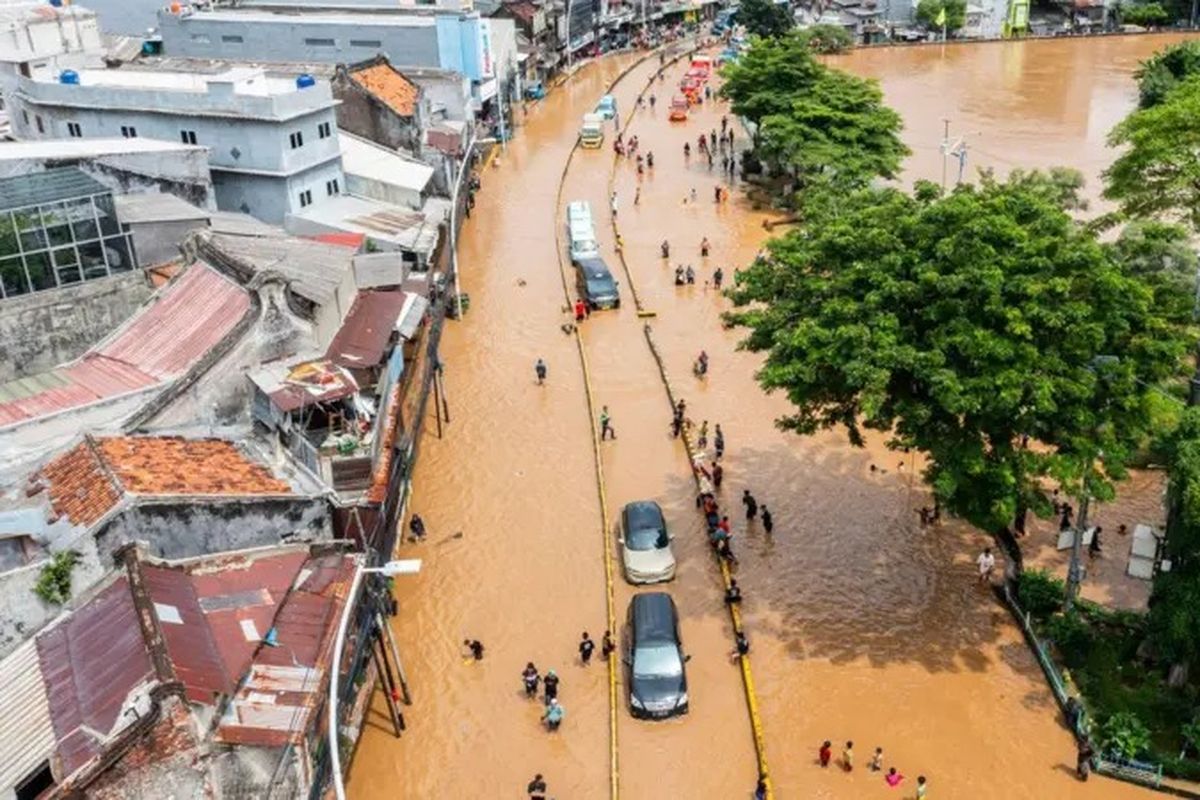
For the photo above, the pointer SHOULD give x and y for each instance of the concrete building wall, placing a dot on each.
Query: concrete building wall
(190, 527)
(294, 38)
(182, 172)
(449, 94)
(272, 198)
(126, 17)
(44, 329)
(367, 117)
(68, 30)
(367, 186)
(158, 242)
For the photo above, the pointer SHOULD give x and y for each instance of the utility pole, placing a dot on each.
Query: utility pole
(1075, 570)
(957, 149)
(945, 149)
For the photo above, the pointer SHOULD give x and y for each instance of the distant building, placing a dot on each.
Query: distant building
(482, 49)
(38, 39)
(272, 141)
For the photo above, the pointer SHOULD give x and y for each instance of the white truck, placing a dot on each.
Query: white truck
(591, 133)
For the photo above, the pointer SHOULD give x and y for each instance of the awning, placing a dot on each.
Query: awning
(292, 386)
(411, 315)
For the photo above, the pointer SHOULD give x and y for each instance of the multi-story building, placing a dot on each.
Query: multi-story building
(36, 37)
(272, 141)
(482, 49)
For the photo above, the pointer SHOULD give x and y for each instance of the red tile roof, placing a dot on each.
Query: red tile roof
(158, 465)
(367, 329)
(354, 241)
(390, 86)
(91, 663)
(80, 489)
(168, 335)
(90, 479)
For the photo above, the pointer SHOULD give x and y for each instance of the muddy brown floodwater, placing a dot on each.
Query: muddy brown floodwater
(864, 626)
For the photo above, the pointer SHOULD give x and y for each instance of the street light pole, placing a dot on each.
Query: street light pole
(391, 568)
(462, 171)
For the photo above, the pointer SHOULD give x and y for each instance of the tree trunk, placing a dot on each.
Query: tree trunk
(1178, 675)
(1019, 519)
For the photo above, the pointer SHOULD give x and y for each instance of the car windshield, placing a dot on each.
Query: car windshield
(657, 661)
(599, 286)
(646, 539)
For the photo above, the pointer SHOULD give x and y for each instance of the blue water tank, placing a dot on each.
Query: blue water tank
(56, 3)
(304, 81)
(69, 76)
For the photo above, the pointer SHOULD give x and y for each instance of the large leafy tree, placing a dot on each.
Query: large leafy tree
(765, 18)
(956, 13)
(1158, 174)
(1175, 603)
(826, 39)
(769, 76)
(966, 326)
(1163, 71)
(840, 130)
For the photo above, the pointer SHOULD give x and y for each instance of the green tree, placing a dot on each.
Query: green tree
(1175, 602)
(827, 39)
(1124, 734)
(1162, 255)
(765, 18)
(967, 327)
(1145, 14)
(839, 130)
(769, 75)
(1163, 71)
(956, 13)
(1158, 174)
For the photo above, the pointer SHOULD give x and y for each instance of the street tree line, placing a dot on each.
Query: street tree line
(987, 327)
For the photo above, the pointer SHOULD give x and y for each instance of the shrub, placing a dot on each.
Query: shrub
(54, 582)
(1145, 14)
(1125, 735)
(1072, 636)
(1040, 593)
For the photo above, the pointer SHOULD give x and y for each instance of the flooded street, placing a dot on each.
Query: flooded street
(863, 625)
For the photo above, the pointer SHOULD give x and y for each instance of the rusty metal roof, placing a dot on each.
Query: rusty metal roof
(363, 339)
(275, 701)
(214, 614)
(92, 662)
(292, 385)
(180, 324)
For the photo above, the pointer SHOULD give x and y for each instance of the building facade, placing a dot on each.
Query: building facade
(272, 141)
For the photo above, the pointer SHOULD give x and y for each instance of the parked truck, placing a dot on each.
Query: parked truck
(591, 133)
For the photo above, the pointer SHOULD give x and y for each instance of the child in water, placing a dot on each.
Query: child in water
(825, 753)
(893, 778)
(877, 760)
(848, 757)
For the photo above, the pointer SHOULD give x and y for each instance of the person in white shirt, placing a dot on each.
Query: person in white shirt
(987, 563)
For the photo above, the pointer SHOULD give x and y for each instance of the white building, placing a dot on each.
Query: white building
(272, 141)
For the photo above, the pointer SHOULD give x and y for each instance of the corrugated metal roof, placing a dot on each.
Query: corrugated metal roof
(214, 615)
(175, 329)
(156, 207)
(26, 733)
(274, 703)
(315, 270)
(92, 662)
(33, 188)
(294, 385)
(363, 339)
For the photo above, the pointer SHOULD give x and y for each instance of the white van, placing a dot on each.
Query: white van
(582, 240)
(578, 211)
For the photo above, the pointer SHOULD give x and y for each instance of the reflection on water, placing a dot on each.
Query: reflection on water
(864, 625)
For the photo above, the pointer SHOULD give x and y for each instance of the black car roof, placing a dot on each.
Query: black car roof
(643, 514)
(653, 615)
(593, 267)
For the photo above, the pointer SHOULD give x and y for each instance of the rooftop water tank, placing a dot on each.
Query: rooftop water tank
(69, 76)
(304, 81)
(56, 3)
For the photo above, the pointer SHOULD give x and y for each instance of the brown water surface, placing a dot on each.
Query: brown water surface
(864, 625)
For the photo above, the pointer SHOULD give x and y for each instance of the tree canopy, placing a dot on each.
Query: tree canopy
(1145, 14)
(956, 13)
(769, 75)
(839, 129)
(1175, 605)
(765, 18)
(1165, 70)
(1158, 174)
(967, 326)
(827, 39)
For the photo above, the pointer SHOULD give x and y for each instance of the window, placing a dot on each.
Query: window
(232, 39)
(129, 132)
(201, 38)
(305, 198)
(74, 131)
(38, 118)
(25, 116)
(297, 139)
(32, 786)
(187, 137)
(374, 44)
(331, 187)
(319, 42)
(324, 130)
